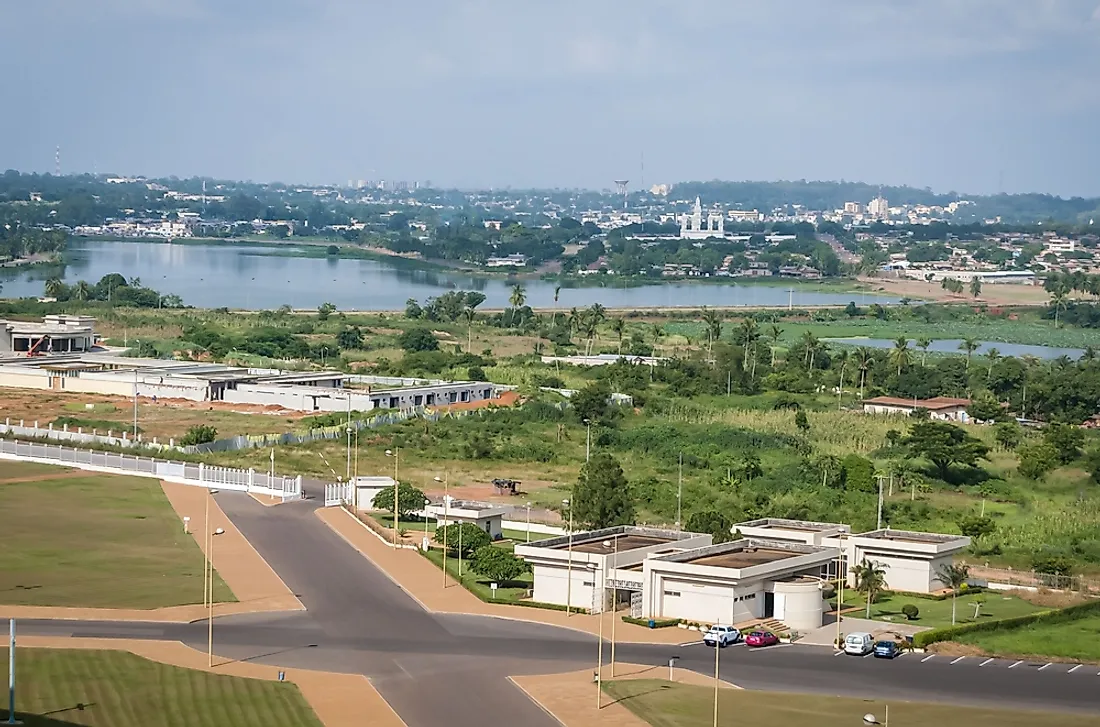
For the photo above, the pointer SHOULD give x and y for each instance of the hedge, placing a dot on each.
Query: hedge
(658, 623)
(948, 633)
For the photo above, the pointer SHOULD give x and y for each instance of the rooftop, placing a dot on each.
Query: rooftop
(805, 526)
(910, 536)
(937, 402)
(744, 553)
(627, 537)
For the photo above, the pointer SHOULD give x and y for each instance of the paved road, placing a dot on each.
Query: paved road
(442, 667)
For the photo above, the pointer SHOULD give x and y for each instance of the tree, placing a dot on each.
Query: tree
(602, 496)
(774, 333)
(923, 344)
(976, 526)
(1067, 441)
(985, 408)
(870, 580)
(618, 327)
(992, 355)
(864, 359)
(516, 299)
(1036, 460)
(325, 310)
(200, 434)
(81, 291)
(712, 522)
(469, 313)
(496, 564)
(55, 288)
(944, 444)
(954, 576)
(592, 403)
(462, 539)
(969, 345)
(1008, 435)
(413, 309)
(1092, 465)
(900, 355)
(859, 473)
(418, 339)
(349, 337)
(801, 421)
(910, 611)
(409, 499)
(750, 468)
(976, 287)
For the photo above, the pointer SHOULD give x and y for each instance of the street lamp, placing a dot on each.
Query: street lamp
(588, 440)
(599, 658)
(210, 612)
(680, 492)
(872, 719)
(207, 568)
(426, 503)
(528, 522)
(717, 651)
(446, 520)
(396, 485)
(569, 562)
(614, 605)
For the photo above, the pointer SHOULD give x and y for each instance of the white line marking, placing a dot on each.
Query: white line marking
(691, 643)
(838, 653)
(985, 662)
(958, 660)
(1074, 669)
(1044, 666)
(1015, 665)
(930, 656)
(870, 653)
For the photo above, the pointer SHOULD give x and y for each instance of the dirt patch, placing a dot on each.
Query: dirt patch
(1002, 294)
(952, 648)
(1049, 599)
(37, 478)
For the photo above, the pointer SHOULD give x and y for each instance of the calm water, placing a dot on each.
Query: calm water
(251, 277)
(951, 345)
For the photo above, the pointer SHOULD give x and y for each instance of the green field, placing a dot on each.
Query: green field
(1069, 640)
(102, 541)
(665, 704)
(15, 470)
(119, 689)
(934, 614)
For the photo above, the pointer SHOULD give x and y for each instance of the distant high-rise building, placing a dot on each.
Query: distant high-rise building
(853, 208)
(879, 208)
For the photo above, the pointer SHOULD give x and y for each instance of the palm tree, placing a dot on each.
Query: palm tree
(969, 345)
(54, 287)
(1058, 302)
(954, 576)
(557, 292)
(517, 299)
(713, 323)
(618, 327)
(774, 333)
(1089, 353)
(81, 291)
(901, 355)
(993, 355)
(748, 335)
(811, 345)
(870, 579)
(468, 313)
(574, 322)
(864, 359)
(657, 332)
(923, 344)
(843, 357)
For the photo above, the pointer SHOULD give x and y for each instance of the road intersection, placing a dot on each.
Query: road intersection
(432, 667)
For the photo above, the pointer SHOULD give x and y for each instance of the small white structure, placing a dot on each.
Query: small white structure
(367, 488)
(486, 516)
(940, 407)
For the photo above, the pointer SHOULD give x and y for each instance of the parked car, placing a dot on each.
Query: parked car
(887, 649)
(859, 643)
(721, 636)
(761, 638)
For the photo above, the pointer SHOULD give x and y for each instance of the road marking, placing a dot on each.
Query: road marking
(958, 660)
(1015, 665)
(1044, 666)
(1074, 669)
(691, 643)
(838, 653)
(985, 662)
(870, 653)
(930, 656)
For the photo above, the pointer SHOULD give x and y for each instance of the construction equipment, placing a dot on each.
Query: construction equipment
(34, 350)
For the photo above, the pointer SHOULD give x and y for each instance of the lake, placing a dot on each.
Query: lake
(265, 277)
(951, 345)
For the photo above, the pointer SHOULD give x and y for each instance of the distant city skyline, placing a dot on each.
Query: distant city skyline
(976, 97)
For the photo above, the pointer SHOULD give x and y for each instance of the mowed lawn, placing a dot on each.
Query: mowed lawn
(934, 614)
(666, 704)
(94, 540)
(120, 689)
(1077, 640)
(15, 470)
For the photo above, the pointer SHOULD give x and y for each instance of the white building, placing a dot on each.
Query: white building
(486, 516)
(940, 407)
(367, 488)
(693, 227)
(58, 333)
(879, 208)
(515, 260)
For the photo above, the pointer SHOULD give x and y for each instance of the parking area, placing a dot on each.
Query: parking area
(990, 662)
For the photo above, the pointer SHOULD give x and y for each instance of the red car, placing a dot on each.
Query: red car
(761, 638)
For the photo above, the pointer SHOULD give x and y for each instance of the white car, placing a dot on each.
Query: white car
(721, 636)
(859, 644)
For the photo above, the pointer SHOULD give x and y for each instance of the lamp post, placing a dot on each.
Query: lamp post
(588, 440)
(872, 719)
(680, 491)
(11, 673)
(446, 520)
(210, 612)
(528, 522)
(207, 565)
(396, 485)
(569, 563)
(426, 503)
(347, 476)
(599, 643)
(842, 576)
(717, 651)
(614, 609)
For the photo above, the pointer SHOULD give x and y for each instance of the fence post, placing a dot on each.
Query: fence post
(251, 479)
(202, 470)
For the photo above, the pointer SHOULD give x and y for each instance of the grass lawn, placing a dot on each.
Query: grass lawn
(1072, 640)
(17, 470)
(665, 704)
(105, 541)
(120, 689)
(934, 614)
(479, 585)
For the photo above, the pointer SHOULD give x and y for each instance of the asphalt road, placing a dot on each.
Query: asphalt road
(443, 668)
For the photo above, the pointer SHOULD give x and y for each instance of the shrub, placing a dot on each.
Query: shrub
(658, 623)
(910, 612)
(200, 434)
(418, 339)
(1072, 613)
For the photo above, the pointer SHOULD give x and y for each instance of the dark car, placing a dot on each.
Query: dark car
(887, 649)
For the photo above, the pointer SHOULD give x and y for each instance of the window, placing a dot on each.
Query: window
(588, 583)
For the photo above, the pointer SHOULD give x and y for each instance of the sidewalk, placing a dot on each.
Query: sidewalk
(339, 700)
(422, 580)
(252, 580)
(571, 697)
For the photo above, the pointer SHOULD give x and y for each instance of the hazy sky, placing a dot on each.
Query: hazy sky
(951, 94)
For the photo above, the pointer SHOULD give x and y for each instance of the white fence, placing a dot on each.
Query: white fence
(523, 526)
(187, 473)
(339, 493)
(114, 438)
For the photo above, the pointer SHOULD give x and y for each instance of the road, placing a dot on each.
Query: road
(433, 668)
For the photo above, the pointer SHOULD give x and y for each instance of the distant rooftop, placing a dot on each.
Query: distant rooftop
(628, 537)
(909, 536)
(744, 553)
(806, 526)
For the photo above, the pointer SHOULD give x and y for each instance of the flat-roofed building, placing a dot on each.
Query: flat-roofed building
(911, 560)
(939, 407)
(57, 333)
(797, 531)
(484, 515)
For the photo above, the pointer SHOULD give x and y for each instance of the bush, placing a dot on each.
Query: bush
(658, 623)
(1072, 613)
(418, 339)
(910, 612)
(199, 435)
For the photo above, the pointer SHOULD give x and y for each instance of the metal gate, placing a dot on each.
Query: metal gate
(338, 493)
(635, 604)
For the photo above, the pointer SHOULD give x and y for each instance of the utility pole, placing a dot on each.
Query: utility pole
(680, 492)
(11, 672)
(347, 477)
(135, 402)
(790, 298)
(879, 503)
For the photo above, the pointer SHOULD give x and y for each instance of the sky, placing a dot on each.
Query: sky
(975, 96)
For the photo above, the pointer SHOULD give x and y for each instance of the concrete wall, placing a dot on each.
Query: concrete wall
(552, 585)
(23, 378)
(799, 604)
(703, 600)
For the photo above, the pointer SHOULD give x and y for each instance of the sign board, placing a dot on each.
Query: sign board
(625, 585)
